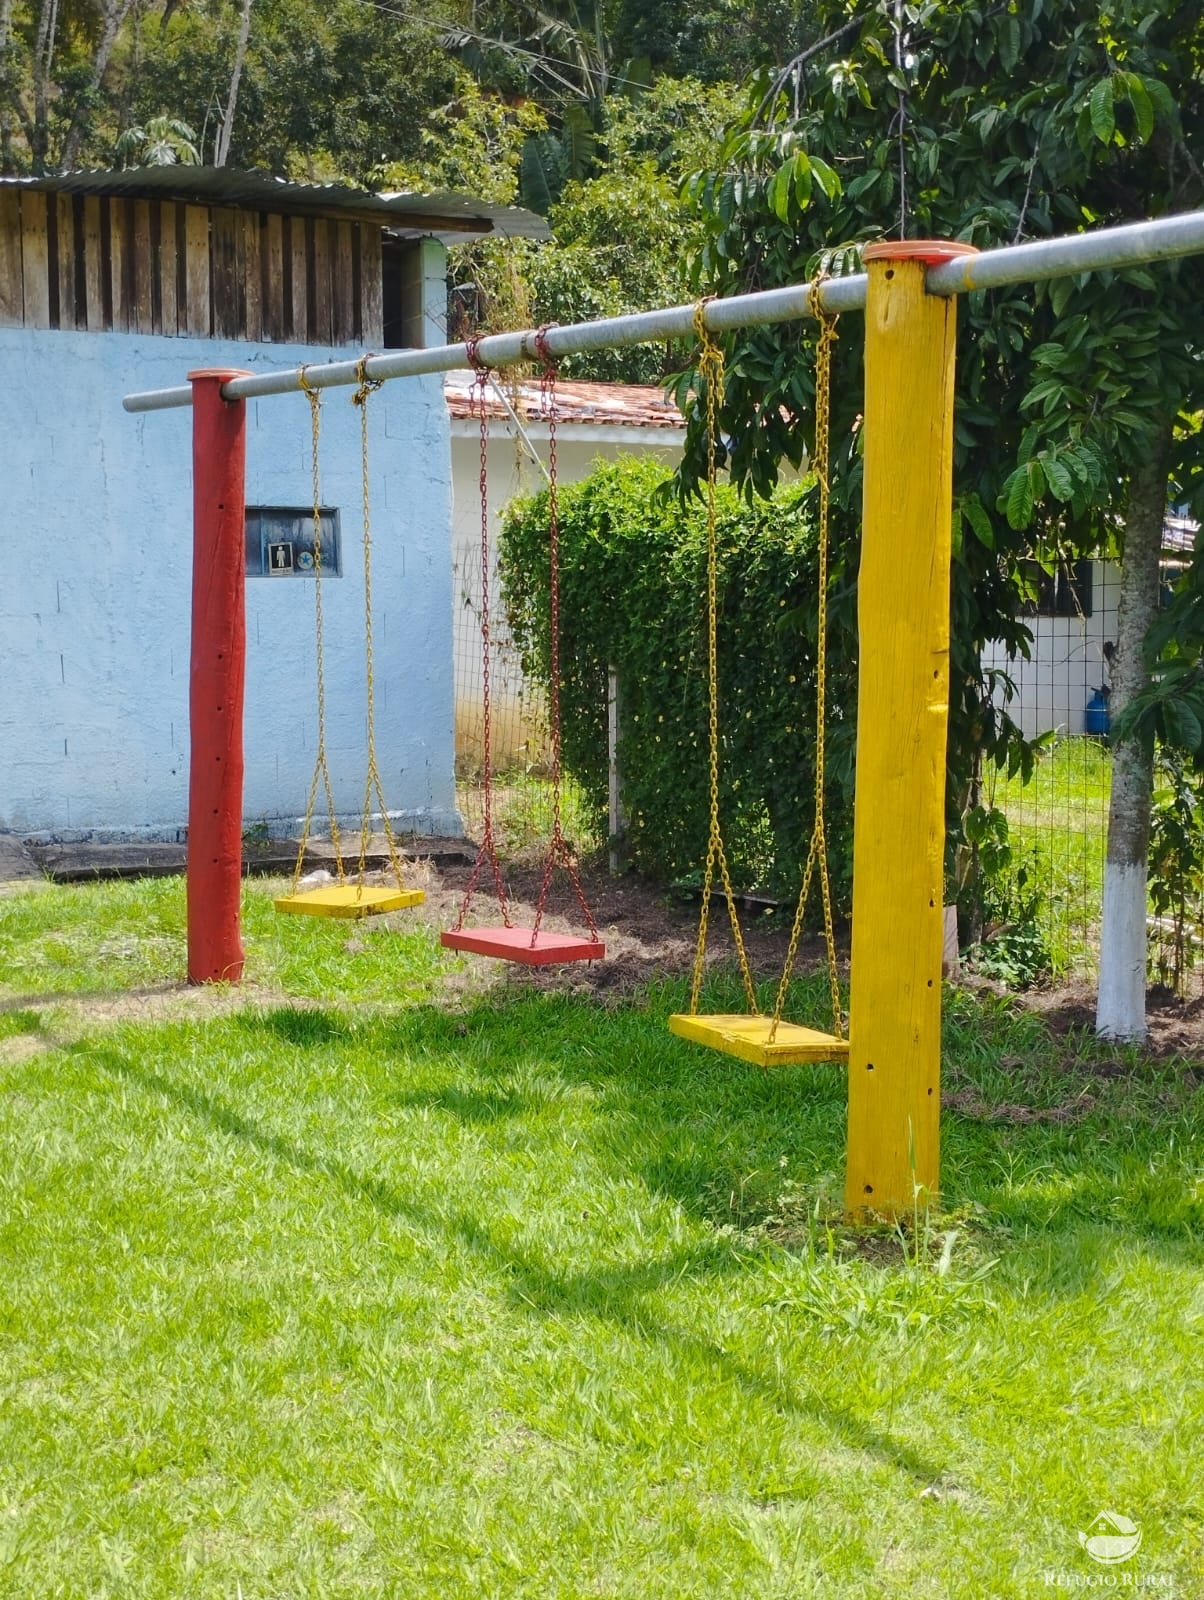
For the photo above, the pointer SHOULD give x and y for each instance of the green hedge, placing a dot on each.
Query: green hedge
(633, 563)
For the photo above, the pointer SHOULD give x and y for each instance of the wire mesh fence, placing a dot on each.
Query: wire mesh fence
(520, 746)
(1058, 821)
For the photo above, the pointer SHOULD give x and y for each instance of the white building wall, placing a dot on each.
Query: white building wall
(94, 603)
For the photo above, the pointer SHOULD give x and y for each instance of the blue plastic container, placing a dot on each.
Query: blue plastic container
(1096, 719)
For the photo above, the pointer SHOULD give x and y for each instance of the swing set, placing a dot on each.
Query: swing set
(346, 898)
(536, 946)
(908, 294)
(765, 1041)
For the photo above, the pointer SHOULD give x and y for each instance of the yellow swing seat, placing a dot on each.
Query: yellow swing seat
(348, 900)
(764, 1041)
(738, 1034)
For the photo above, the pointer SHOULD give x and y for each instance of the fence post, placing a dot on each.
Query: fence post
(216, 678)
(615, 818)
(902, 715)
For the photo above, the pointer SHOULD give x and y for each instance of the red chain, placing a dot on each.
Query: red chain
(488, 850)
(558, 849)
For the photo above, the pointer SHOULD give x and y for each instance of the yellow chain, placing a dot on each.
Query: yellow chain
(710, 373)
(320, 766)
(817, 854)
(372, 782)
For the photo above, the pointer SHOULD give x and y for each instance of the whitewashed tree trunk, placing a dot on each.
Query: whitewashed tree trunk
(1120, 1004)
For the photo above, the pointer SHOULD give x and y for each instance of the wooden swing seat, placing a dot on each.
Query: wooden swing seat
(348, 900)
(748, 1038)
(542, 949)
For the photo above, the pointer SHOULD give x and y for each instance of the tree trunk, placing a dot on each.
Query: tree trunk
(222, 147)
(113, 17)
(1120, 1004)
(6, 86)
(38, 128)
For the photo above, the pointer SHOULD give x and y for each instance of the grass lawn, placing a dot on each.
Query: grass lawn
(336, 1287)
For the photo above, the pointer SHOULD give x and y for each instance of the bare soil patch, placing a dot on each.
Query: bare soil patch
(650, 935)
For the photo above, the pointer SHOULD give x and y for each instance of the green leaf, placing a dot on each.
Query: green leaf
(1009, 43)
(976, 516)
(828, 180)
(1017, 498)
(1061, 484)
(802, 179)
(1143, 107)
(1161, 96)
(537, 184)
(1182, 725)
(1103, 110)
(778, 193)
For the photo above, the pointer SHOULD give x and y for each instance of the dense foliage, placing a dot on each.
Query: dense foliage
(991, 124)
(326, 88)
(633, 597)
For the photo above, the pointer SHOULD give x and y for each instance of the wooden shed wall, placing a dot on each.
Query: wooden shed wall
(151, 266)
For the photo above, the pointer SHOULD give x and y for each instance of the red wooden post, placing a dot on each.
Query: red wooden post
(217, 674)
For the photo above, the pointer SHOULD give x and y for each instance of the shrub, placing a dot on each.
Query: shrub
(633, 565)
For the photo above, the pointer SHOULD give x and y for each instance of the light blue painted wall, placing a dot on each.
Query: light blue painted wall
(95, 593)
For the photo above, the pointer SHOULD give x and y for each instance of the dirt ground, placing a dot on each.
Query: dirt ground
(650, 935)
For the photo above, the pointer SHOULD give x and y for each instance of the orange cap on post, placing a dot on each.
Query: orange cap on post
(932, 252)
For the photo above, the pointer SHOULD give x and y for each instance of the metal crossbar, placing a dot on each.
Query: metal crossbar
(1128, 246)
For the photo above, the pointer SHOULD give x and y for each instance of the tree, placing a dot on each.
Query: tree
(621, 237)
(320, 89)
(333, 90)
(992, 124)
(54, 56)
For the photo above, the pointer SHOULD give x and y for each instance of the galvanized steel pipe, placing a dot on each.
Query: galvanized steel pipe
(1131, 245)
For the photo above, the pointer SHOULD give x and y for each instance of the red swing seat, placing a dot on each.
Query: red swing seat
(530, 947)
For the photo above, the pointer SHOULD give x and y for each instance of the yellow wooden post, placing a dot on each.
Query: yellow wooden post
(903, 707)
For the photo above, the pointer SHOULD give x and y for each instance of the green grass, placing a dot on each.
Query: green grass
(118, 938)
(527, 1297)
(1058, 824)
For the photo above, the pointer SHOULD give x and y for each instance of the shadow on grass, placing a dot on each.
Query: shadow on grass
(300, 1025)
(622, 1295)
(724, 1140)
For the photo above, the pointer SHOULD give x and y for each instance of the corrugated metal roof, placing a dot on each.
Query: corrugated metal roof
(449, 217)
(626, 405)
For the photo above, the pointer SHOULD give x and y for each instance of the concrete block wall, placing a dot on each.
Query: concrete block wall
(95, 595)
